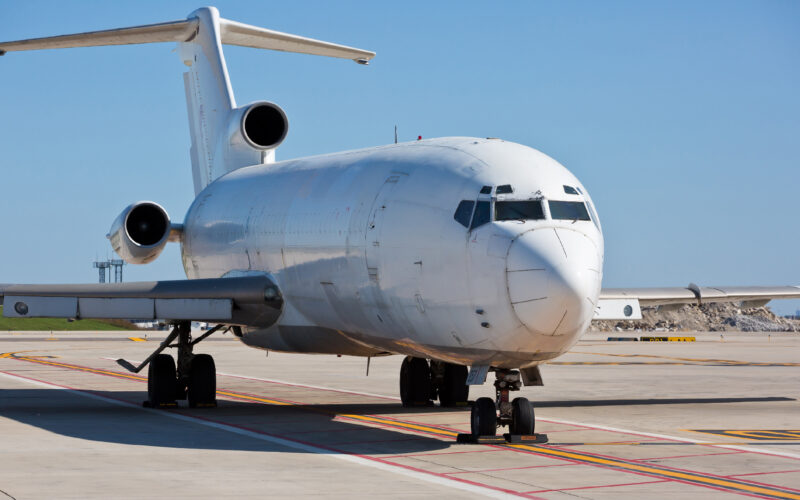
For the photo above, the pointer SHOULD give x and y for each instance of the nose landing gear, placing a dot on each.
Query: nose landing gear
(488, 415)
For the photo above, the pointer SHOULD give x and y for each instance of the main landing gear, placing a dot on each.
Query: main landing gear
(421, 383)
(194, 377)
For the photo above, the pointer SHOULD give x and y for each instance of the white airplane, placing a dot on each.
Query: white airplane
(454, 252)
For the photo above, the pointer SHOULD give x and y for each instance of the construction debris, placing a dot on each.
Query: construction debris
(705, 318)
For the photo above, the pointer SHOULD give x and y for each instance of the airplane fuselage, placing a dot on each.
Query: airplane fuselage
(402, 249)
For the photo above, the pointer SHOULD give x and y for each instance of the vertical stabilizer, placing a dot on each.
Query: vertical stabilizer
(209, 96)
(224, 137)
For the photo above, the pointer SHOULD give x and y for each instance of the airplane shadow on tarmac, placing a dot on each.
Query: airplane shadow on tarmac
(67, 414)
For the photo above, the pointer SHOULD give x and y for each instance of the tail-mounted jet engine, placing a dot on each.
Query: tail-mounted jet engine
(141, 232)
(261, 125)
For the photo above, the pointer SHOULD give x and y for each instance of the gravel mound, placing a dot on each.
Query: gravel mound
(705, 318)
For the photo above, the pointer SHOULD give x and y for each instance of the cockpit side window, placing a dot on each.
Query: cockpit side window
(464, 212)
(568, 210)
(591, 208)
(518, 210)
(482, 214)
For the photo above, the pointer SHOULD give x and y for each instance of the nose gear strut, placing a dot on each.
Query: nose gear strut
(488, 415)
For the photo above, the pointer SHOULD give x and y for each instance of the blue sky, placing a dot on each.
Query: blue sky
(681, 118)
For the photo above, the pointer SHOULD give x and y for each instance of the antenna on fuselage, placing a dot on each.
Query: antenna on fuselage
(395, 134)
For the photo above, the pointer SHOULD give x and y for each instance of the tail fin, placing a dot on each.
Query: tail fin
(216, 149)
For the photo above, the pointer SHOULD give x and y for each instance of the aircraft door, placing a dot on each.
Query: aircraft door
(375, 227)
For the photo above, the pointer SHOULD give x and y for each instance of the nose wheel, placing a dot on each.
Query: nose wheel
(488, 415)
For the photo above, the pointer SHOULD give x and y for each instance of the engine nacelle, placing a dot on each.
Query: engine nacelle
(261, 125)
(141, 232)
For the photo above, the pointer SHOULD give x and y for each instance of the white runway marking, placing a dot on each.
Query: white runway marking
(275, 440)
(557, 421)
(552, 420)
(675, 438)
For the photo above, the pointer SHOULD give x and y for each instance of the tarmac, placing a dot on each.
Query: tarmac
(715, 418)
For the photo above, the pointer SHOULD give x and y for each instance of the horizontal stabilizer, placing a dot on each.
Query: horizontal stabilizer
(245, 35)
(231, 33)
(176, 31)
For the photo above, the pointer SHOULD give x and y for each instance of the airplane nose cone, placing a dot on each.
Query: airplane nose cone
(553, 280)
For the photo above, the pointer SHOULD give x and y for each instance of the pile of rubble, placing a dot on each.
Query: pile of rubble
(704, 318)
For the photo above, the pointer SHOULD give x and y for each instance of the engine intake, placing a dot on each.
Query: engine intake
(263, 125)
(140, 233)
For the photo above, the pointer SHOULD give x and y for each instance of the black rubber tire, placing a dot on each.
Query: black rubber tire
(202, 390)
(454, 390)
(523, 419)
(415, 382)
(162, 382)
(483, 418)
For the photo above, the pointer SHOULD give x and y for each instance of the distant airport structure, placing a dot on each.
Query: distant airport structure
(104, 266)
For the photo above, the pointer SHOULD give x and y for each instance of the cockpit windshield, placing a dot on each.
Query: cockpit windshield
(518, 210)
(568, 210)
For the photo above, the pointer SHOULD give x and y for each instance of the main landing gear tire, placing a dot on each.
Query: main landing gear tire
(523, 420)
(162, 382)
(415, 382)
(454, 390)
(484, 418)
(202, 387)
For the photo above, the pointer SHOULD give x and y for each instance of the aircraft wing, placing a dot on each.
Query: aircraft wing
(625, 303)
(249, 300)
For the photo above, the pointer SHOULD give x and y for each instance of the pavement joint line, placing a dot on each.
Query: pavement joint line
(379, 463)
(763, 473)
(600, 486)
(611, 429)
(715, 362)
(776, 453)
(484, 471)
(294, 384)
(690, 477)
(688, 456)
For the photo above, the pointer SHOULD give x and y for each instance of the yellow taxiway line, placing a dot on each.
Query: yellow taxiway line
(696, 478)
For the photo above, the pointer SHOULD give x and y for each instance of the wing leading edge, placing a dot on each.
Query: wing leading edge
(249, 300)
(625, 303)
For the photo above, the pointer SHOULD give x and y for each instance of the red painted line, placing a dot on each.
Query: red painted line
(666, 438)
(508, 468)
(686, 456)
(586, 426)
(761, 473)
(406, 421)
(314, 445)
(410, 437)
(600, 486)
(655, 475)
(439, 474)
(793, 490)
(411, 455)
(318, 431)
(496, 448)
